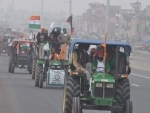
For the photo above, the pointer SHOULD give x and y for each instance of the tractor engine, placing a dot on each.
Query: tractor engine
(103, 88)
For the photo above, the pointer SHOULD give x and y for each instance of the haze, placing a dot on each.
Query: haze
(79, 6)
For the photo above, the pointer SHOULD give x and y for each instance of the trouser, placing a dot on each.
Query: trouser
(67, 49)
(88, 75)
(41, 51)
(89, 79)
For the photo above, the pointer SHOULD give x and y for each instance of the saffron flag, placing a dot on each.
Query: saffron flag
(34, 22)
(104, 45)
(70, 21)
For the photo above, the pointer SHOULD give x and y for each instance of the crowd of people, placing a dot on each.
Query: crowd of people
(55, 36)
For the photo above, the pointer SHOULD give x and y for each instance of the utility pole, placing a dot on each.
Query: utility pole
(42, 13)
(107, 17)
(70, 8)
(12, 5)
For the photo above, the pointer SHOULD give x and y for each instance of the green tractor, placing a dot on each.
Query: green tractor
(51, 71)
(109, 92)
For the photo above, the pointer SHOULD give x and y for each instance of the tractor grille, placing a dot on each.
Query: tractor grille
(109, 92)
(22, 60)
(56, 67)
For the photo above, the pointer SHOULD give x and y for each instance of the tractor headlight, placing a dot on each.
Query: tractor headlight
(45, 57)
(52, 66)
(98, 84)
(109, 85)
(59, 67)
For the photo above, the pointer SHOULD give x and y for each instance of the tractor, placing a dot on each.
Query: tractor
(50, 70)
(19, 56)
(109, 91)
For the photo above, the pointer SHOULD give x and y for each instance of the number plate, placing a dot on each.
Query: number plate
(56, 77)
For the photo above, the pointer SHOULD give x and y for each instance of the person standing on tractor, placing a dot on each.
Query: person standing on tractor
(53, 38)
(41, 39)
(64, 38)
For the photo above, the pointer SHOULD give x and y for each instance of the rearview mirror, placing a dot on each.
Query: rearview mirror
(89, 66)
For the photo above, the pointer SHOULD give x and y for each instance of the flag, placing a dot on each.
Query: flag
(70, 21)
(34, 22)
(104, 45)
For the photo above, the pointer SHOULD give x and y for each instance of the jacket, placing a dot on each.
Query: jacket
(80, 59)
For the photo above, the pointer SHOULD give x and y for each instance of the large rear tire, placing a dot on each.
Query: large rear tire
(129, 107)
(10, 62)
(76, 105)
(41, 79)
(33, 68)
(119, 96)
(71, 89)
(126, 88)
(38, 68)
(12, 68)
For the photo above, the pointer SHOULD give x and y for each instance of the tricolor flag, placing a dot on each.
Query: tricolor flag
(70, 21)
(34, 22)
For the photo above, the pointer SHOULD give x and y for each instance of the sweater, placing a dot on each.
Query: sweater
(63, 38)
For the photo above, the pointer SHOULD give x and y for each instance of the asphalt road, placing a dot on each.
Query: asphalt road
(140, 59)
(18, 94)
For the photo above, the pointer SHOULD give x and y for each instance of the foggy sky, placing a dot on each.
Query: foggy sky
(79, 6)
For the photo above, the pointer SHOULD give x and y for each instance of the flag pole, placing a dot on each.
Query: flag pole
(71, 24)
(105, 38)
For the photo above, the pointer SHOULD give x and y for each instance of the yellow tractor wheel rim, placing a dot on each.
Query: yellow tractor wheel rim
(64, 99)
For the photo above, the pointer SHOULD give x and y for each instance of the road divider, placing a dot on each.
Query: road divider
(140, 65)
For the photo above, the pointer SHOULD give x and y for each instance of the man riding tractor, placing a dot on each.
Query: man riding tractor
(41, 39)
(108, 91)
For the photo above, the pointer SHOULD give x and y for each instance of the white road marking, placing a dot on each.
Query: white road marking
(135, 85)
(140, 75)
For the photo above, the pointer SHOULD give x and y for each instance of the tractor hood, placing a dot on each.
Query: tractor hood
(103, 77)
(55, 62)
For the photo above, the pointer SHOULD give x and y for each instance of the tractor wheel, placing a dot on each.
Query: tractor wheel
(33, 68)
(128, 107)
(126, 88)
(119, 96)
(30, 69)
(76, 105)
(41, 79)
(10, 62)
(12, 67)
(38, 68)
(71, 89)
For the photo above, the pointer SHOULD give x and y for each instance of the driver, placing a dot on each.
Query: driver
(53, 55)
(80, 59)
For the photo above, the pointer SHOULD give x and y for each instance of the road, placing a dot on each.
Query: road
(140, 59)
(18, 94)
